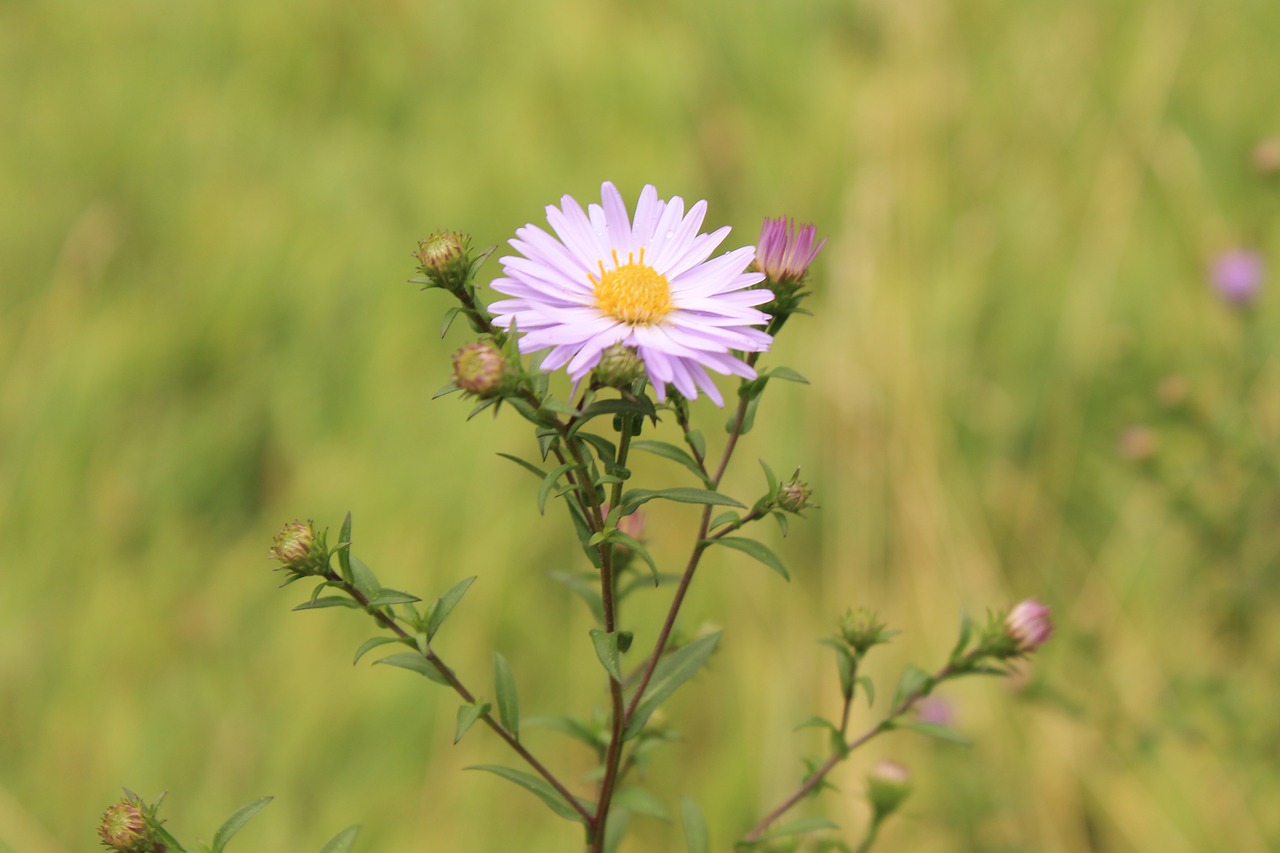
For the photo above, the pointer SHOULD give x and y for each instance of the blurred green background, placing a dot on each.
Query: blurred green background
(1022, 385)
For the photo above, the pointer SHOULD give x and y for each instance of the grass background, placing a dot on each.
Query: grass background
(206, 219)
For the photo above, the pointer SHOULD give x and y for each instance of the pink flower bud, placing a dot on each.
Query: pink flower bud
(1028, 625)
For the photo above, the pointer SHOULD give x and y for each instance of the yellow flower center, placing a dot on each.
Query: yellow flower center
(633, 292)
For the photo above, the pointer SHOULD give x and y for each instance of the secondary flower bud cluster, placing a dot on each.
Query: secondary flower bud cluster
(300, 549)
(129, 827)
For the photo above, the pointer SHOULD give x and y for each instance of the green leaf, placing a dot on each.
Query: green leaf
(769, 478)
(236, 822)
(696, 837)
(549, 482)
(637, 497)
(797, 827)
(787, 374)
(914, 680)
(370, 644)
(329, 601)
(387, 597)
(817, 723)
(585, 588)
(504, 685)
(445, 390)
(637, 548)
(448, 319)
(443, 606)
(415, 662)
(575, 729)
(640, 406)
(695, 440)
(641, 801)
(966, 630)
(869, 688)
(939, 731)
(752, 548)
(674, 670)
(616, 830)
(363, 579)
(528, 466)
(343, 841)
(675, 454)
(607, 650)
(467, 716)
(726, 517)
(344, 547)
(536, 786)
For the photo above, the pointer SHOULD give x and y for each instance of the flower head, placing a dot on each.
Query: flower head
(123, 827)
(1237, 276)
(888, 784)
(784, 254)
(445, 259)
(300, 549)
(645, 282)
(1028, 625)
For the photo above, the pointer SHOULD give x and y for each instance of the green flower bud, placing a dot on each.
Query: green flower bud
(861, 630)
(445, 259)
(794, 496)
(479, 368)
(888, 785)
(299, 549)
(619, 367)
(124, 828)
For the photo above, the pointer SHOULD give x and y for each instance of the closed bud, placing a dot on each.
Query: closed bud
(1028, 625)
(445, 259)
(861, 630)
(888, 785)
(619, 367)
(300, 550)
(794, 495)
(480, 368)
(124, 828)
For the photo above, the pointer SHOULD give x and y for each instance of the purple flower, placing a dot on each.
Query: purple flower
(784, 254)
(1237, 275)
(644, 282)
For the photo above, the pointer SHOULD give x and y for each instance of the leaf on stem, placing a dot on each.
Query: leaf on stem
(800, 826)
(528, 466)
(641, 802)
(372, 643)
(343, 841)
(236, 822)
(363, 578)
(937, 730)
(415, 662)
(608, 651)
(536, 786)
(637, 497)
(386, 597)
(671, 672)
(752, 548)
(675, 454)
(344, 547)
(443, 606)
(467, 716)
(914, 682)
(329, 601)
(504, 685)
(696, 837)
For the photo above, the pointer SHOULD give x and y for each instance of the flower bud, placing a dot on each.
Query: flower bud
(479, 368)
(619, 367)
(784, 256)
(861, 630)
(794, 496)
(1028, 625)
(888, 785)
(1137, 443)
(124, 828)
(299, 549)
(445, 259)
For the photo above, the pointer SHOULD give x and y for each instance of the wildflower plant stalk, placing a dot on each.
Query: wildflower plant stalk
(639, 315)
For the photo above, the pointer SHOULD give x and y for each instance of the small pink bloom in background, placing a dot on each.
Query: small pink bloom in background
(1237, 275)
(937, 710)
(1028, 624)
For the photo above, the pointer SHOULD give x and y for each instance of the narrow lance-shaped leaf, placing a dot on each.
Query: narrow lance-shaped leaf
(937, 730)
(504, 685)
(637, 497)
(754, 549)
(697, 839)
(467, 716)
(370, 644)
(236, 822)
(344, 548)
(797, 827)
(675, 454)
(674, 670)
(415, 662)
(606, 645)
(343, 841)
(536, 786)
(444, 605)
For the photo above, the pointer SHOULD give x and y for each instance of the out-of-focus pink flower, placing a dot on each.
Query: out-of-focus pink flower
(1237, 275)
(1028, 625)
(937, 710)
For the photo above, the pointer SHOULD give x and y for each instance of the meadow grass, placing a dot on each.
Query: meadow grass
(207, 218)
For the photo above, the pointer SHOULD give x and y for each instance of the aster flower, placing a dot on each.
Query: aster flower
(645, 282)
(1028, 625)
(1237, 276)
